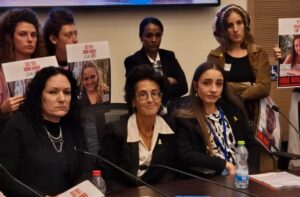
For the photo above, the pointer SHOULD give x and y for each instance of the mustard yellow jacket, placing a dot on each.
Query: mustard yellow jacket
(261, 68)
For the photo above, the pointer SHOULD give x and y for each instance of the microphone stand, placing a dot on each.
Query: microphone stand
(288, 121)
(286, 155)
(24, 185)
(200, 178)
(122, 170)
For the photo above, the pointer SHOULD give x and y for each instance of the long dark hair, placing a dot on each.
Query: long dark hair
(32, 106)
(196, 108)
(221, 26)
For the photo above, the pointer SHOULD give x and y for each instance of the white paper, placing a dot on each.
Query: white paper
(288, 26)
(26, 69)
(87, 51)
(278, 179)
(85, 188)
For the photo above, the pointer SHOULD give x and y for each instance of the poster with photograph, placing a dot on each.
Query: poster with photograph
(289, 42)
(90, 64)
(19, 73)
(268, 132)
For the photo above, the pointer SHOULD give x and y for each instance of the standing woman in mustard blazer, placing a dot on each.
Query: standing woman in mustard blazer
(246, 64)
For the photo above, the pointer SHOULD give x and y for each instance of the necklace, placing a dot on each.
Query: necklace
(56, 140)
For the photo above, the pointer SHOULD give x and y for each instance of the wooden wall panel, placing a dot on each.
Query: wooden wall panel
(264, 20)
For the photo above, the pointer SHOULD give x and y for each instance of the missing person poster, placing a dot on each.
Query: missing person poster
(268, 132)
(18, 74)
(289, 43)
(90, 64)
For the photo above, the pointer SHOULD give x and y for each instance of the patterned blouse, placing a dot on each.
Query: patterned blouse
(216, 132)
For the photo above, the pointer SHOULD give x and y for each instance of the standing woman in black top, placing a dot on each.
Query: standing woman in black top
(246, 64)
(164, 61)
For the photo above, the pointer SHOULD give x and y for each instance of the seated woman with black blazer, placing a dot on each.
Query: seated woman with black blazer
(163, 61)
(210, 124)
(37, 144)
(142, 139)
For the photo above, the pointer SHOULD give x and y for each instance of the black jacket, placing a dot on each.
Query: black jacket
(170, 68)
(191, 146)
(116, 149)
(31, 158)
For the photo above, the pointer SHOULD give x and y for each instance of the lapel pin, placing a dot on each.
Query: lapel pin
(235, 118)
(159, 141)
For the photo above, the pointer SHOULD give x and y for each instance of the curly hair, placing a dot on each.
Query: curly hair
(220, 26)
(139, 73)
(32, 106)
(9, 21)
(57, 18)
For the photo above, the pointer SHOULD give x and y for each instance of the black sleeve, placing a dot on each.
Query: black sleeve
(181, 88)
(129, 64)
(245, 133)
(254, 150)
(85, 162)
(111, 150)
(11, 145)
(191, 148)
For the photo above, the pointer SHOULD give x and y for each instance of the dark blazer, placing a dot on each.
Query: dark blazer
(191, 146)
(170, 68)
(31, 158)
(116, 149)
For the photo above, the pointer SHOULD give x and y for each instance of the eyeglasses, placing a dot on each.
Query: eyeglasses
(143, 95)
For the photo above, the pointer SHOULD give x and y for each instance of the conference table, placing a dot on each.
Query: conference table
(195, 187)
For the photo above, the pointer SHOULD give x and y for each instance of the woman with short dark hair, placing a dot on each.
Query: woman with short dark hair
(163, 61)
(142, 139)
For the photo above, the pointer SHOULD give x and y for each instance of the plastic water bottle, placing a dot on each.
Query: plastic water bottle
(98, 181)
(242, 172)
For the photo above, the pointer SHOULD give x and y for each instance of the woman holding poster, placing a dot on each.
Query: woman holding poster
(293, 58)
(19, 40)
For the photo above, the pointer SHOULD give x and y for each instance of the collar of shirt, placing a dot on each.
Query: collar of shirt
(160, 127)
(156, 60)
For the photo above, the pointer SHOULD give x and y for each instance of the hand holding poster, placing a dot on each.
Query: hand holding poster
(19, 73)
(289, 43)
(90, 64)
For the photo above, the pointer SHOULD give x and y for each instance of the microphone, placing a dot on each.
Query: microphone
(144, 167)
(23, 184)
(121, 170)
(275, 108)
(286, 155)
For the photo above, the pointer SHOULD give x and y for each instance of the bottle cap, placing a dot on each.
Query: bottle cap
(241, 142)
(96, 173)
